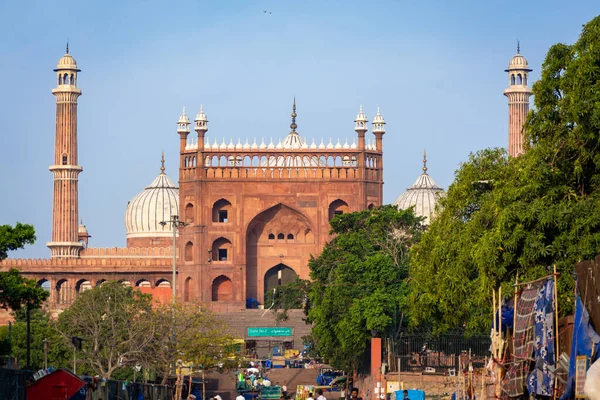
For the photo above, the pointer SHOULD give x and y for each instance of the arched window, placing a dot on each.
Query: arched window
(280, 236)
(525, 79)
(65, 159)
(66, 79)
(72, 79)
(82, 285)
(337, 207)
(519, 80)
(163, 283)
(512, 79)
(221, 211)
(221, 250)
(63, 292)
(371, 206)
(60, 81)
(271, 236)
(189, 213)
(189, 251)
(143, 283)
(290, 236)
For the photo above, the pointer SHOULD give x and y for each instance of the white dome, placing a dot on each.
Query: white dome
(518, 62)
(156, 203)
(67, 62)
(423, 195)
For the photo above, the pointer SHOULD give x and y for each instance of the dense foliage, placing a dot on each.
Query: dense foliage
(59, 354)
(15, 238)
(359, 284)
(121, 329)
(504, 217)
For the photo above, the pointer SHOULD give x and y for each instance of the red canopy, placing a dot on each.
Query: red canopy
(59, 385)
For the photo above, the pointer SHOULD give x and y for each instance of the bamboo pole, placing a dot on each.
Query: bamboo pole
(556, 358)
(500, 312)
(534, 281)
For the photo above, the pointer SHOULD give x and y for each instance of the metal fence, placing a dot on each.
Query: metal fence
(443, 354)
(119, 390)
(12, 384)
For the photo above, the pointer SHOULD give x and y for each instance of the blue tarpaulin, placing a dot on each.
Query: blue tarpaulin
(412, 394)
(584, 339)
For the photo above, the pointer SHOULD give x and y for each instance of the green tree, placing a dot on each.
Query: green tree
(42, 327)
(202, 338)
(535, 211)
(15, 238)
(290, 296)
(17, 292)
(117, 326)
(359, 284)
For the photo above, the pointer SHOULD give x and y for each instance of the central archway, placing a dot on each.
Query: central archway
(279, 275)
(279, 233)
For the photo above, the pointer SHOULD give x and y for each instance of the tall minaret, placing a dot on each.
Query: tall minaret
(518, 93)
(65, 210)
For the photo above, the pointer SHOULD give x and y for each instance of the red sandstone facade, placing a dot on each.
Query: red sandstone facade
(253, 215)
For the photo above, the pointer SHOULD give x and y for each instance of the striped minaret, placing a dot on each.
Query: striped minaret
(65, 210)
(518, 93)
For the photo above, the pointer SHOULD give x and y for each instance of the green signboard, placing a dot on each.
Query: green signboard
(275, 331)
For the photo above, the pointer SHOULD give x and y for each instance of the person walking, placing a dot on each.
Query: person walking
(320, 393)
(284, 390)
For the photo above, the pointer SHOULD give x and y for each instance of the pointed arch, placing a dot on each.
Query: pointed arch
(221, 211)
(278, 275)
(222, 289)
(189, 252)
(338, 207)
(187, 289)
(82, 285)
(222, 250)
(189, 213)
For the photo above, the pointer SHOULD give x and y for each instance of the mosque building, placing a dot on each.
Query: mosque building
(245, 217)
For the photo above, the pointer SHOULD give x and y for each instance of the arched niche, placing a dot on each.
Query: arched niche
(222, 250)
(189, 213)
(338, 207)
(221, 212)
(187, 289)
(222, 289)
(189, 252)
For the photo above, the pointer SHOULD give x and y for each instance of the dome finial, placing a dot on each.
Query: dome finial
(424, 161)
(162, 163)
(293, 125)
(518, 47)
(67, 46)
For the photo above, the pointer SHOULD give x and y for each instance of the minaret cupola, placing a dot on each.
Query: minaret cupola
(378, 130)
(183, 125)
(361, 127)
(201, 122)
(378, 123)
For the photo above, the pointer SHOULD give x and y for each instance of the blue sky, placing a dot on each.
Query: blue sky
(435, 68)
